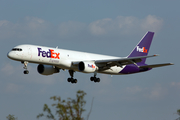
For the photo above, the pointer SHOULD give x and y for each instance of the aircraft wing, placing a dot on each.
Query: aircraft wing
(107, 63)
(156, 65)
(123, 61)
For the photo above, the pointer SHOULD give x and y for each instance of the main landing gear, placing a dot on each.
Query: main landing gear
(72, 80)
(25, 67)
(94, 78)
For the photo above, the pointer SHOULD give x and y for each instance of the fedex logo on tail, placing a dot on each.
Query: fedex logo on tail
(48, 54)
(143, 49)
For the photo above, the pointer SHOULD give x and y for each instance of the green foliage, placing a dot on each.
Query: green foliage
(70, 109)
(11, 117)
(178, 112)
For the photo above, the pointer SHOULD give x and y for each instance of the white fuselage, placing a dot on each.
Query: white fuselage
(60, 58)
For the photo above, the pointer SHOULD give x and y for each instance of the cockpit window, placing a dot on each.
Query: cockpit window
(16, 49)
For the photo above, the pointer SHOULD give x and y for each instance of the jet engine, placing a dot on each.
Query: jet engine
(87, 67)
(47, 69)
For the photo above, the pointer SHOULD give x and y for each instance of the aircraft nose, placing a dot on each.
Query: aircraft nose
(10, 55)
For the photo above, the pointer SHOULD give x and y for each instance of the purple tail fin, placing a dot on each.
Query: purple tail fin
(142, 48)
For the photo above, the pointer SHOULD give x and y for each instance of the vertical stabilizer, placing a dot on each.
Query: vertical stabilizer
(142, 48)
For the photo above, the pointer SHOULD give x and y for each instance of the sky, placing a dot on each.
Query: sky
(97, 26)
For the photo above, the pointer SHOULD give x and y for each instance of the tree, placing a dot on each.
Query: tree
(11, 117)
(70, 109)
(178, 112)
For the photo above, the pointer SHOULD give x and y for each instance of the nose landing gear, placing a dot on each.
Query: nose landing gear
(25, 67)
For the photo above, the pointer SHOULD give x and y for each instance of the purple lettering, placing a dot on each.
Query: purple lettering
(48, 54)
(44, 54)
(39, 51)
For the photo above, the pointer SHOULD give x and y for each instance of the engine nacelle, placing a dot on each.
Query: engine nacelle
(87, 67)
(46, 69)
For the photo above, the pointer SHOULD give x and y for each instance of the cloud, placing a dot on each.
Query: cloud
(34, 25)
(100, 27)
(157, 92)
(7, 69)
(3, 23)
(133, 90)
(152, 23)
(27, 28)
(133, 93)
(175, 84)
(34, 22)
(33, 28)
(125, 25)
(13, 88)
(70, 28)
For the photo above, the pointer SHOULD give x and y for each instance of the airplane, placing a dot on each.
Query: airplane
(52, 60)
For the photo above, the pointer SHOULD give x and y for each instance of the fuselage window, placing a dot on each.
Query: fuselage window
(16, 49)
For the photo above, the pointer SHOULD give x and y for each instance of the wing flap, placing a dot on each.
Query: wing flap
(156, 65)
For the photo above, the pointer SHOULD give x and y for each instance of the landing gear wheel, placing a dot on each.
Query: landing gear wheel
(75, 80)
(72, 80)
(69, 79)
(92, 78)
(26, 72)
(95, 79)
(98, 79)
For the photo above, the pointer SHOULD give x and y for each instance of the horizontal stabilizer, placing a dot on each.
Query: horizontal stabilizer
(156, 65)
